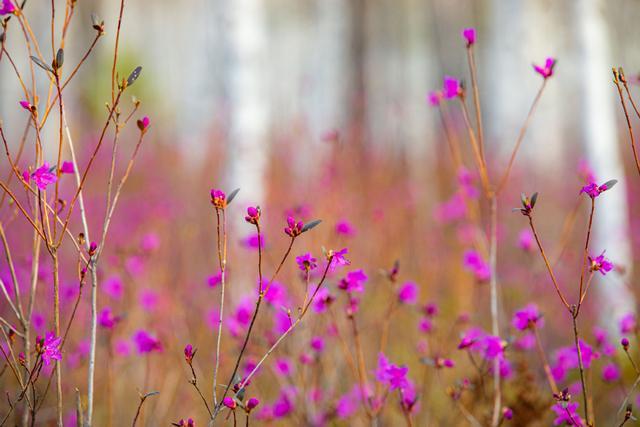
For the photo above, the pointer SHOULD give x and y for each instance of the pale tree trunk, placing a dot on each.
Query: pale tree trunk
(249, 112)
(601, 142)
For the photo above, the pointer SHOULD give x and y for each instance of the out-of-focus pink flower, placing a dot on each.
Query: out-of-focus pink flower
(451, 87)
(610, 373)
(106, 319)
(122, 347)
(628, 323)
(469, 35)
(474, 262)
(113, 287)
(322, 300)
(408, 293)
(546, 71)
(150, 242)
(148, 299)
(568, 415)
(214, 280)
(67, 167)
(435, 97)
(344, 228)
(317, 344)
(525, 240)
(527, 317)
(7, 7)
(146, 342)
(284, 367)
(43, 176)
(601, 264)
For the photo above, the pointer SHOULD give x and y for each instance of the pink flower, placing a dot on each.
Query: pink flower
(106, 319)
(293, 228)
(469, 34)
(451, 87)
(306, 262)
(143, 123)
(218, 198)
(435, 97)
(527, 317)
(229, 402)
(353, 282)
(344, 228)
(214, 280)
(317, 344)
(189, 353)
(628, 323)
(67, 167)
(252, 403)
(601, 264)
(322, 300)
(7, 7)
(610, 373)
(43, 176)
(253, 215)
(338, 259)
(49, 347)
(566, 415)
(146, 342)
(474, 262)
(408, 293)
(251, 241)
(393, 375)
(525, 240)
(593, 190)
(546, 71)
(25, 104)
(113, 287)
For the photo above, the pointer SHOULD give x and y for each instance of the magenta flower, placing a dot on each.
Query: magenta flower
(7, 7)
(253, 215)
(628, 323)
(49, 348)
(322, 300)
(189, 353)
(113, 287)
(188, 423)
(393, 375)
(306, 262)
(146, 342)
(469, 34)
(252, 241)
(451, 88)
(435, 97)
(408, 293)
(525, 240)
(293, 228)
(215, 280)
(284, 367)
(601, 264)
(493, 347)
(43, 176)
(67, 167)
(229, 402)
(218, 198)
(568, 415)
(252, 403)
(344, 228)
(317, 344)
(507, 413)
(527, 317)
(610, 373)
(143, 123)
(338, 259)
(25, 104)
(593, 190)
(106, 319)
(474, 263)
(353, 282)
(546, 71)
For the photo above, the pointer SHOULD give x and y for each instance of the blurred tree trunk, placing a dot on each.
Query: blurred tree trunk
(249, 108)
(601, 143)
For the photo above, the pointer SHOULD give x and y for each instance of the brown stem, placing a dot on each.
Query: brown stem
(616, 81)
(545, 362)
(580, 366)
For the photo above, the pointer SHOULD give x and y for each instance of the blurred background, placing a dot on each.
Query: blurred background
(320, 108)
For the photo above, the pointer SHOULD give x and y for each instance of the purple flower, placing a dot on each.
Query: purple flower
(493, 347)
(568, 415)
(545, 71)
(214, 280)
(218, 198)
(338, 259)
(7, 7)
(24, 104)
(50, 348)
(469, 35)
(435, 97)
(610, 373)
(628, 323)
(408, 293)
(252, 403)
(322, 300)
(317, 344)
(593, 190)
(229, 402)
(67, 167)
(293, 228)
(146, 343)
(474, 263)
(189, 353)
(284, 367)
(43, 176)
(306, 262)
(253, 215)
(106, 319)
(601, 264)
(344, 228)
(353, 282)
(251, 241)
(451, 87)
(527, 317)
(143, 123)
(113, 287)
